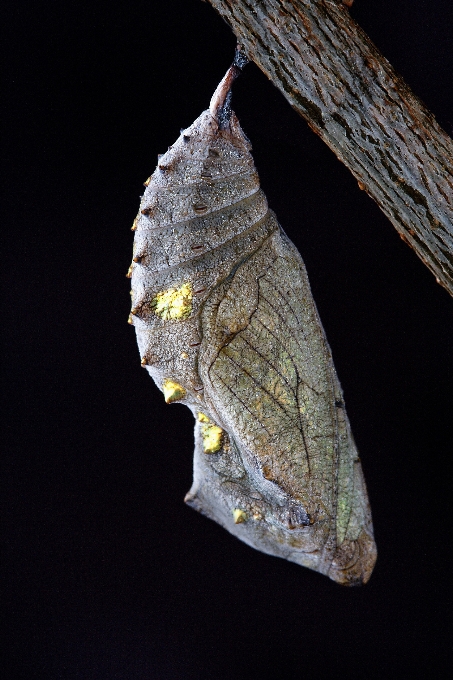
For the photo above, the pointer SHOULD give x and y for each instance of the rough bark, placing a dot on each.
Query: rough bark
(332, 74)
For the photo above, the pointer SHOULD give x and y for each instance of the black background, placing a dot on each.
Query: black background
(107, 573)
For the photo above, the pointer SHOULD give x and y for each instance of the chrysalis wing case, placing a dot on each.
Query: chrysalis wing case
(227, 325)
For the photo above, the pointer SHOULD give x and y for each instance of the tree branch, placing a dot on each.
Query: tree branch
(332, 74)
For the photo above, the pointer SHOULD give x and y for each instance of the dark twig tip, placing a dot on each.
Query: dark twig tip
(240, 58)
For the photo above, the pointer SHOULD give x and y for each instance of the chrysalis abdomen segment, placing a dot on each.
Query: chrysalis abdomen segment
(163, 247)
(206, 170)
(202, 212)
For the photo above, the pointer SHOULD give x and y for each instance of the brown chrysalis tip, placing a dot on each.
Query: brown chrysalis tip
(220, 105)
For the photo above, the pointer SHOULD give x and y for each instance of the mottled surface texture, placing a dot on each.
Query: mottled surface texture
(335, 77)
(226, 324)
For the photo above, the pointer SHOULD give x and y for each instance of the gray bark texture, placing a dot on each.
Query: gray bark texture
(332, 74)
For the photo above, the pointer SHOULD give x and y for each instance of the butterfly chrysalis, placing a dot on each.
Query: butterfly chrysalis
(227, 325)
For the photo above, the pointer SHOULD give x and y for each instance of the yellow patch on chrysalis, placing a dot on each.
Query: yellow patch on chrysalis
(239, 516)
(146, 183)
(173, 391)
(129, 273)
(212, 435)
(202, 418)
(134, 225)
(174, 303)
